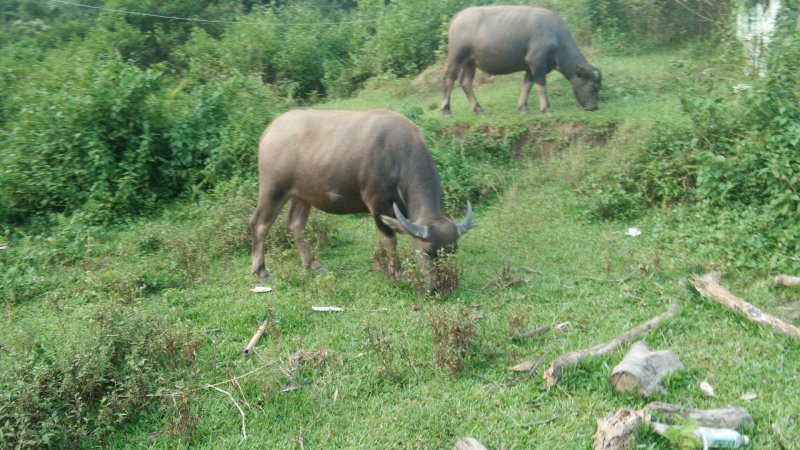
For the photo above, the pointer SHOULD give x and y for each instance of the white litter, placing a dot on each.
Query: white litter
(3, 246)
(563, 326)
(707, 388)
(633, 231)
(260, 289)
(327, 308)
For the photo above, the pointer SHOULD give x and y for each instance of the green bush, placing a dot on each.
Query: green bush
(739, 160)
(99, 376)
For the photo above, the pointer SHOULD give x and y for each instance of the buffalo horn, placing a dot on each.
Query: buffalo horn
(419, 232)
(466, 224)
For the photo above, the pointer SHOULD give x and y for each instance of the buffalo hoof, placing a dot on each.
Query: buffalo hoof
(320, 270)
(447, 114)
(524, 111)
(480, 111)
(266, 279)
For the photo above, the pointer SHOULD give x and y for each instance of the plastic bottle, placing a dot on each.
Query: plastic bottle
(720, 438)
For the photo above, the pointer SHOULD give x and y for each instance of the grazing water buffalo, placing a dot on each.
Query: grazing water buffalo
(506, 39)
(345, 162)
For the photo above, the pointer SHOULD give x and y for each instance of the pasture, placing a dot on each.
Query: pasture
(162, 305)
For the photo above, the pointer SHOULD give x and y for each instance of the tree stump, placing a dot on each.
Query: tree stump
(617, 430)
(642, 369)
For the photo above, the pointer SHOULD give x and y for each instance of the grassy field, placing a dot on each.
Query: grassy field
(368, 377)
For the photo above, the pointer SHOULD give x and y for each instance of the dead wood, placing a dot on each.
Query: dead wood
(787, 281)
(553, 373)
(248, 349)
(709, 286)
(468, 444)
(617, 430)
(534, 367)
(643, 369)
(731, 417)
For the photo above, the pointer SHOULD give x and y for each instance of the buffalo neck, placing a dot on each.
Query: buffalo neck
(570, 56)
(422, 193)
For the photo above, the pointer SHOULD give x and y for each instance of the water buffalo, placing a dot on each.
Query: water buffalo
(344, 162)
(506, 39)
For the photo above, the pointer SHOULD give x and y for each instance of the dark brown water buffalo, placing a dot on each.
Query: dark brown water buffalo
(506, 39)
(345, 162)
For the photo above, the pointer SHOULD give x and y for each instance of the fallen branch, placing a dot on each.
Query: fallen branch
(542, 422)
(709, 286)
(248, 349)
(236, 404)
(731, 417)
(643, 369)
(786, 281)
(553, 373)
(534, 367)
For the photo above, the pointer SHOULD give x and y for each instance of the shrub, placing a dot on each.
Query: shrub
(98, 377)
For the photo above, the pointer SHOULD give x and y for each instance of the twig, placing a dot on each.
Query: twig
(236, 404)
(542, 422)
(534, 332)
(534, 367)
(553, 373)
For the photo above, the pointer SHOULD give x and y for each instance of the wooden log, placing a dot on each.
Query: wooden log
(787, 281)
(553, 373)
(709, 286)
(643, 369)
(617, 430)
(731, 417)
(248, 349)
(468, 444)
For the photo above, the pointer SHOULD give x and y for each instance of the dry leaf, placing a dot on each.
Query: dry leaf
(707, 388)
(748, 396)
(260, 289)
(563, 326)
(524, 366)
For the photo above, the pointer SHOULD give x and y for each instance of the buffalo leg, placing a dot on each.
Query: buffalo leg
(527, 83)
(269, 205)
(541, 89)
(385, 257)
(296, 220)
(466, 83)
(450, 75)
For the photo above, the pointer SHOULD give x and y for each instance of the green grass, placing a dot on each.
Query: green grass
(191, 266)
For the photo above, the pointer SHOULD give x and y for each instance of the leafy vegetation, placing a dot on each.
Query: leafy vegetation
(127, 176)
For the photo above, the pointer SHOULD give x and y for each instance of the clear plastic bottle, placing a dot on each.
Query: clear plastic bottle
(720, 438)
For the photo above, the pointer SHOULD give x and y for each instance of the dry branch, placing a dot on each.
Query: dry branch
(787, 281)
(617, 430)
(709, 286)
(248, 349)
(236, 404)
(643, 369)
(534, 332)
(731, 417)
(553, 373)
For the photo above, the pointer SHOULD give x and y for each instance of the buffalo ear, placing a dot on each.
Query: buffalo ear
(392, 223)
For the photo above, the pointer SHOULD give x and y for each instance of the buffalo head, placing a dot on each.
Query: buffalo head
(586, 85)
(432, 239)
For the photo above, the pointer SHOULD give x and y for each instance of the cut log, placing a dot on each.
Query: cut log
(617, 430)
(642, 369)
(553, 373)
(786, 281)
(731, 417)
(469, 444)
(709, 286)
